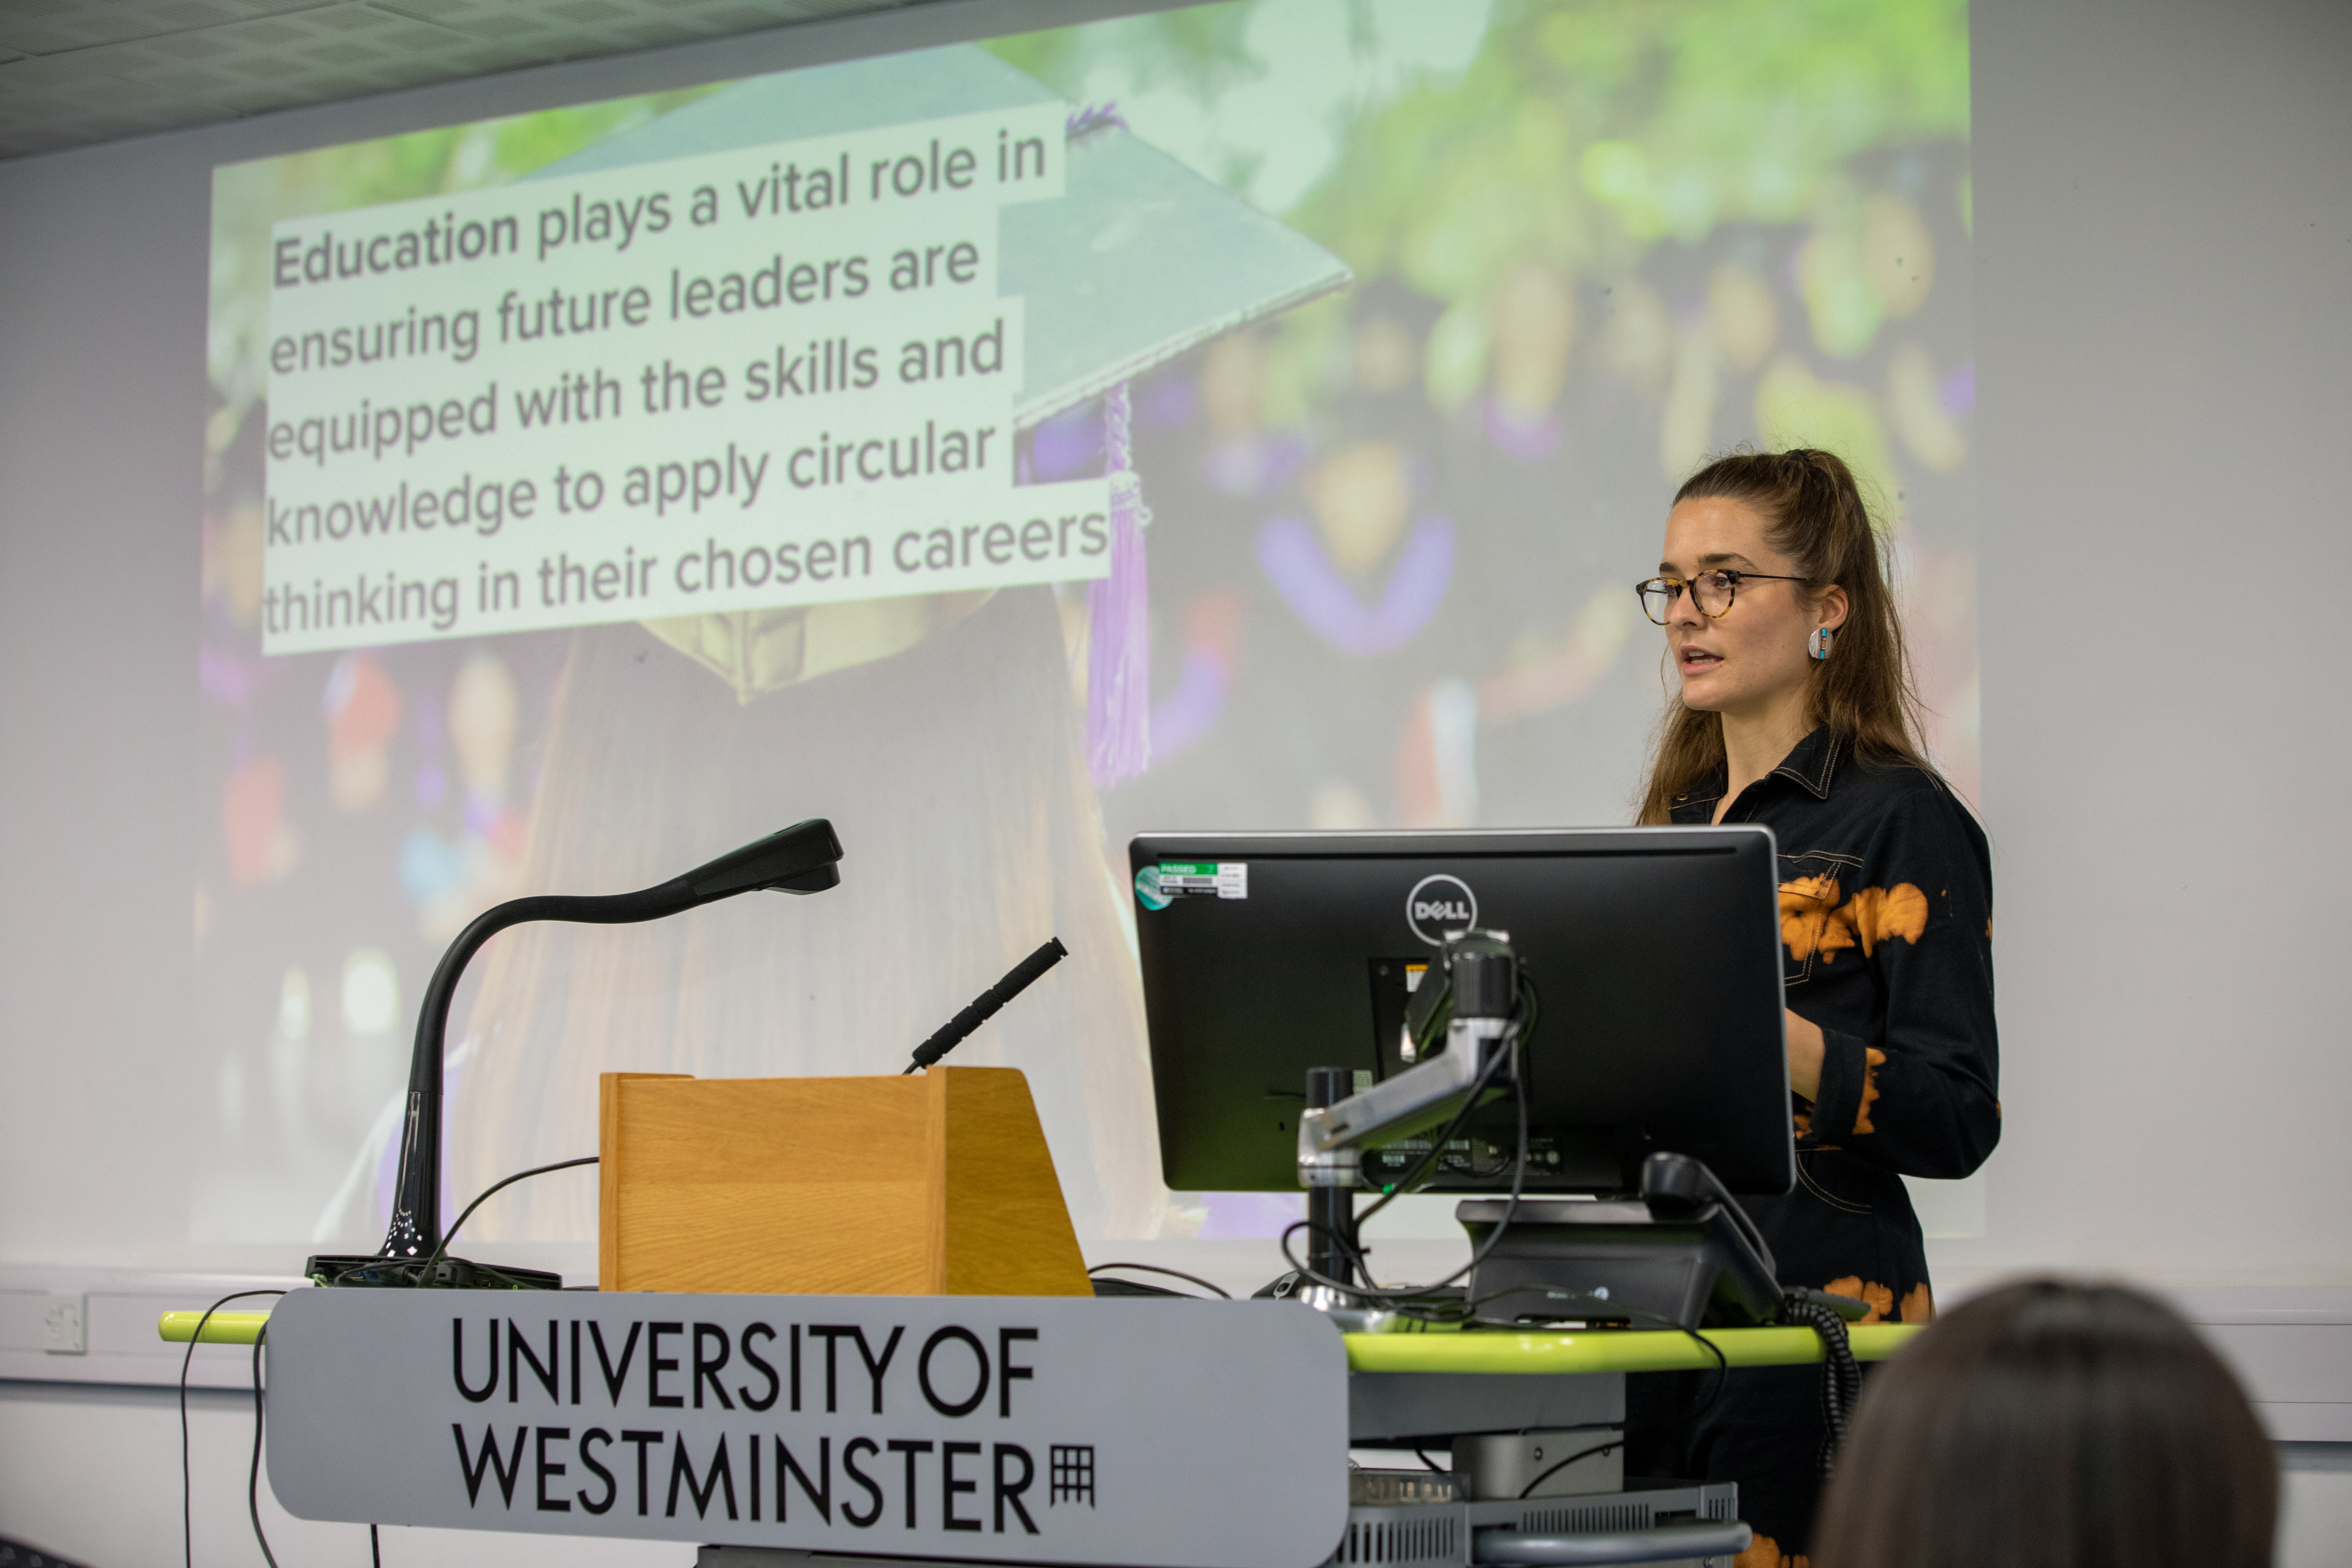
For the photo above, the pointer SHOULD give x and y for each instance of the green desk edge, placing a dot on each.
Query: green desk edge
(1484, 1351)
(222, 1329)
(1618, 1349)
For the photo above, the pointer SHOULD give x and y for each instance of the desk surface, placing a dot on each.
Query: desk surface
(1608, 1349)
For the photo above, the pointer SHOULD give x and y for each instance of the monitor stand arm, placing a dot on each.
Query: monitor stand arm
(1477, 978)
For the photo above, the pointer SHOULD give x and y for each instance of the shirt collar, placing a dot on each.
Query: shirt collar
(1813, 761)
(1699, 804)
(1811, 764)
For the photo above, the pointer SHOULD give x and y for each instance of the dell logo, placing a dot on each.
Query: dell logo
(1439, 904)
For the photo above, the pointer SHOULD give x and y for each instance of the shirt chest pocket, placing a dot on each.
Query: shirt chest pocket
(1813, 930)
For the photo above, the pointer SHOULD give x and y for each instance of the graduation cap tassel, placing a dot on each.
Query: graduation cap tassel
(1118, 655)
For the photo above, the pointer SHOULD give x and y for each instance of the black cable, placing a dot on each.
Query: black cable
(1519, 1186)
(1841, 1374)
(1704, 1407)
(1699, 1409)
(1171, 1273)
(1422, 1455)
(1390, 1299)
(425, 1274)
(1311, 1276)
(1529, 1490)
(375, 1547)
(1522, 1030)
(1387, 1298)
(253, 1477)
(187, 1526)
(1722, 1368)
(1510, 1212)
(1425, 1168)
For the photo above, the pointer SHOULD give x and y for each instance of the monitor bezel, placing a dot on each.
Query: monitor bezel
(1373, 844)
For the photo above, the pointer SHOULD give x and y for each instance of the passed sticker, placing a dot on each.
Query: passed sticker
(1172, 880)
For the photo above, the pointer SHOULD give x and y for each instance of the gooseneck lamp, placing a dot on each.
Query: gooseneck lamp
(802, 858)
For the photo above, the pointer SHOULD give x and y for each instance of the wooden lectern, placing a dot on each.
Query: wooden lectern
(937, 1184)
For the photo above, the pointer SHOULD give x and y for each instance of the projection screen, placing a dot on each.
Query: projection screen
(1248, 415)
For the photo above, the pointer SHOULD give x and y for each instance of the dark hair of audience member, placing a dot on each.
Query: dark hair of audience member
(2052, 1424)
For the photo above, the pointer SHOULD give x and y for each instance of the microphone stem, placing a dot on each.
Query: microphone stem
(986, 1006)
(797, 859)
(415, 1229)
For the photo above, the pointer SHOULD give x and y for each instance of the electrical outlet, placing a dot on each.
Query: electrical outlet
(61, 1326)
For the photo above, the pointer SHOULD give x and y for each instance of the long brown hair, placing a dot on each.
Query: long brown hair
(2052, 1425)
(1815, 514)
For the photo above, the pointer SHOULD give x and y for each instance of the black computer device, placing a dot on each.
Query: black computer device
(1655, 952)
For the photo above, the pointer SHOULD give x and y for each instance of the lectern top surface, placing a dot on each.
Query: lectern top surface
(1608, 1349)
(1640, 1350)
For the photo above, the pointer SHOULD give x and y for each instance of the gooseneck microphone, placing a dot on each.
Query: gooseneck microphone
(802, 858)
(984, 1007)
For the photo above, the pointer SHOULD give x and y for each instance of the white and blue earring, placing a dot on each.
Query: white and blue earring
(1818, 645)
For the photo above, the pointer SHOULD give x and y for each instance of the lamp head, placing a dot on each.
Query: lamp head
(802, 858)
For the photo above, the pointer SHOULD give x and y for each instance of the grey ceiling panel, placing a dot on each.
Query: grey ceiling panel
(74, 72)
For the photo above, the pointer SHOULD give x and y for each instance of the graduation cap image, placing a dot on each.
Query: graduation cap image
(1140, 260)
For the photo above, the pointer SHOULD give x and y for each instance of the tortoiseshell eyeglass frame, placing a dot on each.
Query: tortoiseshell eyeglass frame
(1669, 589)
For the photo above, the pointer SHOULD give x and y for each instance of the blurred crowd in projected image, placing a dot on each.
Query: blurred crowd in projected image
(1394, 531)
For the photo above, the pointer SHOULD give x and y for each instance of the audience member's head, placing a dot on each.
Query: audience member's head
(2051, 1425)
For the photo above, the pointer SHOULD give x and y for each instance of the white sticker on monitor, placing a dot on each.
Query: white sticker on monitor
(1204, 879)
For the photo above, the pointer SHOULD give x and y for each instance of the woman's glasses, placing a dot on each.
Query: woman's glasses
(1712, 592)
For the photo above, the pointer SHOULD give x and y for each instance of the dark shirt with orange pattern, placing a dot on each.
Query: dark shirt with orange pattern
(1886, 940)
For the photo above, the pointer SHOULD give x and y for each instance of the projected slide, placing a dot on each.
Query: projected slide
(755, 419)
(1250, 416)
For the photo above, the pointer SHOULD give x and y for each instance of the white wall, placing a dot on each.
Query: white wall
(2163, 198)
(2164, 256)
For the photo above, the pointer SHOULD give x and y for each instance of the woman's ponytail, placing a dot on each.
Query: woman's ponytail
(1815, 515)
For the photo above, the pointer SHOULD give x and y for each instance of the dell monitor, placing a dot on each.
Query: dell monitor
(1655, 953)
